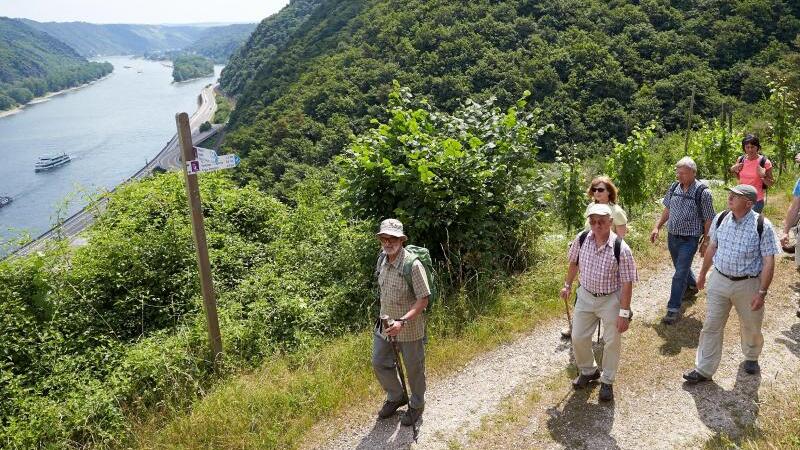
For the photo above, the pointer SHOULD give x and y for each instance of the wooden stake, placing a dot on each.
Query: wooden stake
(689, 124)
(188, 153)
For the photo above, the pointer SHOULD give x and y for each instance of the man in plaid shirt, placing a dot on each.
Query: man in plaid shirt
(604, 295)
(744, 262)
(405, 304)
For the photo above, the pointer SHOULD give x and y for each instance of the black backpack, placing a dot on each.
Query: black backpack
(761, 162)
(759, 222)
(698, 196)
(617, 245)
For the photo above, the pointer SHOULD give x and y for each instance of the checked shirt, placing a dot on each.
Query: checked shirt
(684, 219)
(397, 298)
(739, 251)
(598, 271)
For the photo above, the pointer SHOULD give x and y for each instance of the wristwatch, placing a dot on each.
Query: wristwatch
(763, 292)
(626, 313)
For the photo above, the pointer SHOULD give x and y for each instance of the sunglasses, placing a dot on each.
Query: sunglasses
(600, 189)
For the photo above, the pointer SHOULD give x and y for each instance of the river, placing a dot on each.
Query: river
(109, 129)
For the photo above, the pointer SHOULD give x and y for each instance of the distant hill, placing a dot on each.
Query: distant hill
(119, 39)
(33, 63)
(219, 43)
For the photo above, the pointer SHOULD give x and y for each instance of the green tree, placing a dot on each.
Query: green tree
(784, 104)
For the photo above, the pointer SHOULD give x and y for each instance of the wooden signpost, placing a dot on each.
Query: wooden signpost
(192, 164)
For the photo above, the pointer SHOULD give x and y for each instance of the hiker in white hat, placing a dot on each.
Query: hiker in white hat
(404, 291)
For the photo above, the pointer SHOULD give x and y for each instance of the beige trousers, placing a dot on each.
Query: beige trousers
(588, 311)
(721, 294)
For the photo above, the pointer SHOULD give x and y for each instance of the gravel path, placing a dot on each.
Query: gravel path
(653, 407)
(456, 405)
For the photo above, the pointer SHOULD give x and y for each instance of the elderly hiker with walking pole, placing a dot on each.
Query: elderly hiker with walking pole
(601, 191)
(742, 250)
(607, 273)
(688, 210)
(404, 290)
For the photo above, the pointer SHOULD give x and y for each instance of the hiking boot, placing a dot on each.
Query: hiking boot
(752, 367)
(389, 408)
(671, 317)
(582, 380)
(411, 416)
(695, 377)
(606, 392)
(690, 291)
(566, 333)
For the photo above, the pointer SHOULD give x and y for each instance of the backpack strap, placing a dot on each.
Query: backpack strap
(760, 226)
(670, 192)
(698, 198)
(408, 264)
(762, 161)
(381, 259)
(721, 217)
(617, 245)
(759, 222)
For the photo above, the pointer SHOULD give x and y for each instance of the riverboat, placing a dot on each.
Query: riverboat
(5, 201)
(51, 162)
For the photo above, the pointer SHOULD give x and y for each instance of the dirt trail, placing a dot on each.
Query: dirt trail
(487, 404)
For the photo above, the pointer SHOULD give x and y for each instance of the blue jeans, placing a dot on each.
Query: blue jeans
(682, 250)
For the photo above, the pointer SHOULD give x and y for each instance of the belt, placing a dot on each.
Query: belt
(597, 294)
(744, 277)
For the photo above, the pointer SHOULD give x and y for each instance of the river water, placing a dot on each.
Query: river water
(109, 129)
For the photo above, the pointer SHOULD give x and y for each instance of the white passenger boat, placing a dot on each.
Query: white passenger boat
(51, 162)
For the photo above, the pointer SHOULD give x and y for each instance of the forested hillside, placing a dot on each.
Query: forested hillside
(33, 63)
(119, 39)
(596, 69)
(271, 35)
(219, 43)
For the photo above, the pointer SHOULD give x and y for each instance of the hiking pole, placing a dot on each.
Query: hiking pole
(386, 322)
(568, 332)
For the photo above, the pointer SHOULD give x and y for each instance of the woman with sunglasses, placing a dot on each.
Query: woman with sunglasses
(602, 190)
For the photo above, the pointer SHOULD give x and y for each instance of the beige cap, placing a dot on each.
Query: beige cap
(598, 209)
(391, 227)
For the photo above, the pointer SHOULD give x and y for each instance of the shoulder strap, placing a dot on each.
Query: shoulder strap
(617, 248)
(581, 240)
(381, 258)
(760, 226)
(762, 161)
(721, 217)
(698, 198)
(740, 160)
(408, 264)
(671, 191)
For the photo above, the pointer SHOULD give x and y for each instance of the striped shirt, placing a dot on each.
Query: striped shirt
(684, 219)
(739, 250)
(598, 270)
(397, 298)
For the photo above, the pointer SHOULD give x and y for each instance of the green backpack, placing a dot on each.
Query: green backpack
(414, 253)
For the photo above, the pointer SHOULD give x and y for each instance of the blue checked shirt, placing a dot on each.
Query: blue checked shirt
(739, 251)
(684, 219)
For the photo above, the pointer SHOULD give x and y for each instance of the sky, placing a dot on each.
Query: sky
(142, 11)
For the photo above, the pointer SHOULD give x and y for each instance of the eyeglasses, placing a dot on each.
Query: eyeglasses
(600, 189)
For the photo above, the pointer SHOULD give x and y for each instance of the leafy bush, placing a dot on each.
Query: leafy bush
(96, 334)
(461, 183)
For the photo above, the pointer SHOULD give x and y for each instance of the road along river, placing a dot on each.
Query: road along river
(110, 129)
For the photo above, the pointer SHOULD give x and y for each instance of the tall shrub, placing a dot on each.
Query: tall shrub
(462, 183)
(628, 166)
